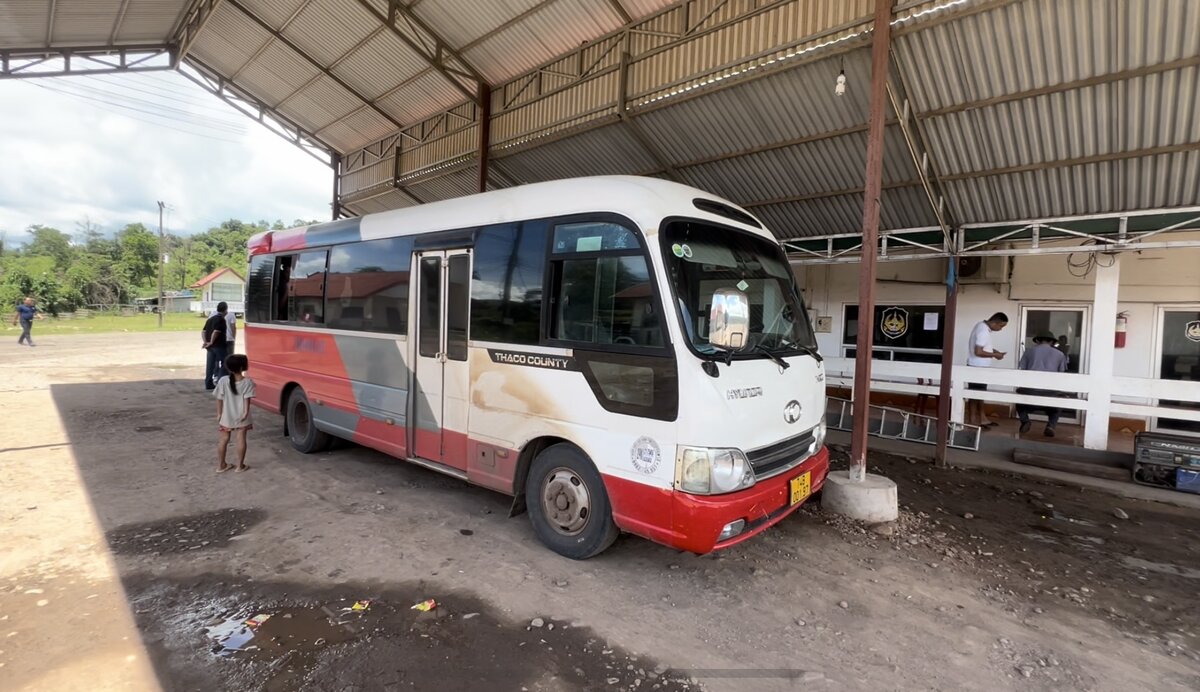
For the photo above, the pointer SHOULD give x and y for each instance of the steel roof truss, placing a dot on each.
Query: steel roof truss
(211, 81)
(414, 33)
(193, 23)
(23, 63)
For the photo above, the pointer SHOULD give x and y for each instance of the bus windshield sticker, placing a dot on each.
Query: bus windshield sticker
(742, 285)
(677, 250)
(687, 251)
(589, 244)
(533, 360)
(645, 455)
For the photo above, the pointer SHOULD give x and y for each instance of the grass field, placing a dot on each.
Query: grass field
(173, 322)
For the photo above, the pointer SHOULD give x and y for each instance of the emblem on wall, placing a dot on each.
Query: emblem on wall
(1192, 331)
(645, 455)
(894, 323)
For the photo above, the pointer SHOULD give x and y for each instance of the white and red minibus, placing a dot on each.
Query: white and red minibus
(616, 353)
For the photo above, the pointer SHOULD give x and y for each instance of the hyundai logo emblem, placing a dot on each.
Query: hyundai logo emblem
(791, 412)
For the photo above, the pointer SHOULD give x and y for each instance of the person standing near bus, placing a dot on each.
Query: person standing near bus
(234, 392)
(980, 354)
(216, 345)
(231, 333)
(1044, 356)
(26, 313)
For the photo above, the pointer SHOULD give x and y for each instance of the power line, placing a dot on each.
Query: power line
(189, 98)
(108, 96)
(133, 117)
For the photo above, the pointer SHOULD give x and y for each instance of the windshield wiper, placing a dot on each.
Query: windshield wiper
(809, 351)
(783, 364)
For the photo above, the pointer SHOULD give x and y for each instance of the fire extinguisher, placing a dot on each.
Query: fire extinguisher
(1122, 322)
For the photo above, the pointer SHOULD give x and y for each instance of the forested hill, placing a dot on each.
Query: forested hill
(66, 271)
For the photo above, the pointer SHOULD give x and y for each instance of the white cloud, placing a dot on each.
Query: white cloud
(115, 145)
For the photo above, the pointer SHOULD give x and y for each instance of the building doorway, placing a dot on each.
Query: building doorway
(1177, 357)
(1070, 324)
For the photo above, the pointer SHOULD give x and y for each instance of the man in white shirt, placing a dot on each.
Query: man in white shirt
(980, 354)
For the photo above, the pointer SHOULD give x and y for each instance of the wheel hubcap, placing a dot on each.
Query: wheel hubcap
(300, 422)
(565, 501)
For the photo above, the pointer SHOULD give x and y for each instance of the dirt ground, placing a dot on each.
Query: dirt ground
(126, 563)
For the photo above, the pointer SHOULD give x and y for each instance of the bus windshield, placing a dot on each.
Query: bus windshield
(702, 258)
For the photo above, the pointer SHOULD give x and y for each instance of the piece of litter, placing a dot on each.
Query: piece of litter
(425, 606)
(360, 606)
(468, 616)
(257, 621)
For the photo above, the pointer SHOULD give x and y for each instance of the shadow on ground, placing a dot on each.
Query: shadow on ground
(146, 459)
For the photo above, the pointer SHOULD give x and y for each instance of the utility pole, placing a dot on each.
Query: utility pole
(161, 238)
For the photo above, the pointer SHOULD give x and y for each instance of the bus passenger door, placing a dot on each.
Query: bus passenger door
(442, 378)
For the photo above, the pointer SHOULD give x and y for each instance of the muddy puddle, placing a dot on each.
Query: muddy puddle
(183, 534)
(216, 633)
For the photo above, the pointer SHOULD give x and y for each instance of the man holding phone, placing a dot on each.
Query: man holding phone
(981, 353)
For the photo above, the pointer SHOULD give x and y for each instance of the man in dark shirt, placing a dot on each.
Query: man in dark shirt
(216, 345)
(1043, 357)
(27, 312)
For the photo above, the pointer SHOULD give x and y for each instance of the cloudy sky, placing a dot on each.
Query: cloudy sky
(106, 148)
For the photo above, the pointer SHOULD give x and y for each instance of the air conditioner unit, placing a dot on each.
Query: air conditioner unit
(983, 270)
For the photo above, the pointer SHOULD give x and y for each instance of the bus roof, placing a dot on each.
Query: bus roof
(646, 201)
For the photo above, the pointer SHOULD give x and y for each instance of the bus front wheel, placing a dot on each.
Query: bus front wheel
(302, 431)
(568, 504)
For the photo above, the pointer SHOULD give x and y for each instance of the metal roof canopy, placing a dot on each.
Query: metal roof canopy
(1000, 109)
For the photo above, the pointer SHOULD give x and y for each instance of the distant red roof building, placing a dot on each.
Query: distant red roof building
(213, 277)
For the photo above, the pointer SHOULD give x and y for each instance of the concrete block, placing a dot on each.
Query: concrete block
(874, 500)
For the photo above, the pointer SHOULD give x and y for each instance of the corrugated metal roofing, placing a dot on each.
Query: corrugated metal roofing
(1027, 108)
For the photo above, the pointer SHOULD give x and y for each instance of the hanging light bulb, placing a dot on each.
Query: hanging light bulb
(839, 87)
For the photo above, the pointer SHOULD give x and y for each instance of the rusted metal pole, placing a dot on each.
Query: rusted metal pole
(880, 46)
(485, 133)
(944, 408)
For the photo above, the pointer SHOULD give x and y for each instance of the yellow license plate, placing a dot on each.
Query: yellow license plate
(801, 487)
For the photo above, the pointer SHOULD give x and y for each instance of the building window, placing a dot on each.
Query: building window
(368, 286)
(506, 285)
(227, 292)
(911, 333)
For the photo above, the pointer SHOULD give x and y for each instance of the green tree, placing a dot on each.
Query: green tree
(137, 248)
(50, 242)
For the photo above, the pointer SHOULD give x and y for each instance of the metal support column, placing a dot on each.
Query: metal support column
(485, 133)
(880, 45)
(948, 322)
(161, 239)
(336, 160)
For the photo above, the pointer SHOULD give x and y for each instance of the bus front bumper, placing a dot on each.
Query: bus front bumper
(695, 522)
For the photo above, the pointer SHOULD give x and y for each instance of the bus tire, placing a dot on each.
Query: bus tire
(302, 430)
(568, 504)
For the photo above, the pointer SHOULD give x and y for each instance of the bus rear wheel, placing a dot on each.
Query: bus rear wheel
(568, 504)
(302, 431)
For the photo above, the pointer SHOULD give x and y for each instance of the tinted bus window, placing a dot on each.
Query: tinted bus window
(506, 286)
(429, 325)
(606, 301)
(458, 287)
(367, 288)
(258, 289)
(593, 236)
(306, 288)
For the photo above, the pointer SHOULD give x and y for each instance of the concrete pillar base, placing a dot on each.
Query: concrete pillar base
(874, 500)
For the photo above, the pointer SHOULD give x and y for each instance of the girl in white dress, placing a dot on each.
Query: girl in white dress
(233, 393)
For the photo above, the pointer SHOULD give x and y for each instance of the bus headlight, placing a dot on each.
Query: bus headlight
(818, 437)
(709, 471)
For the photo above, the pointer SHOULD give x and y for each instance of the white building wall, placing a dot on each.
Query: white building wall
(1149, 279)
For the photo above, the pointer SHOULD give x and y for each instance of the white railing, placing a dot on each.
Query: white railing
(207, 306)
(1118, 395)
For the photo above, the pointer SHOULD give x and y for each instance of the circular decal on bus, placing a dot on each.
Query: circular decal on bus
(687, 251)
(645, 455)
(677, 250)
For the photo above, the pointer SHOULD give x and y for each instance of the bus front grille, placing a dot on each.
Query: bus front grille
(781, 456)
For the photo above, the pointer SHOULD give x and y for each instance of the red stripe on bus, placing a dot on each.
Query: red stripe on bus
(693, 522)
(291, 239)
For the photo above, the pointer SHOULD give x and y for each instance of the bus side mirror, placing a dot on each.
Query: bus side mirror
(729, 320)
